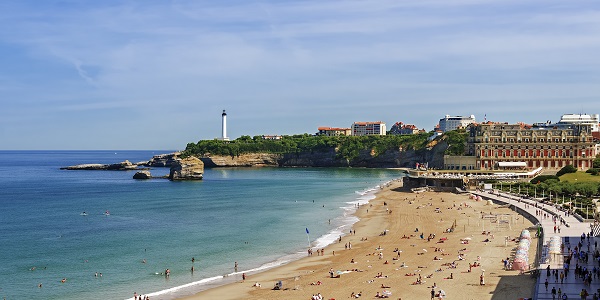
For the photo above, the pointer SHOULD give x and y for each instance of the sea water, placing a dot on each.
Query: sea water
(133, 230)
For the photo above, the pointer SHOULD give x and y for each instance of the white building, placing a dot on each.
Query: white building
(581, 119)
(368, 128)
(451, 123)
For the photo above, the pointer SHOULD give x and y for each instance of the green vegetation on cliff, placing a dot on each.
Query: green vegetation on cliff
(347, 147)
(457, 140)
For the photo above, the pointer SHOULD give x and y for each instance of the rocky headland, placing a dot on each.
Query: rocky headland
(192, 168)
(396, 158)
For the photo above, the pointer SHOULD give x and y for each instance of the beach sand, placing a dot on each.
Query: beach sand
(399, 213)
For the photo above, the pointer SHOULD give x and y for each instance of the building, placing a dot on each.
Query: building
(271, 137)
(400, 128)
(581, 119)
(451, 123)
(368, 128)
(334, 131)
(455, 162)
(541, 145)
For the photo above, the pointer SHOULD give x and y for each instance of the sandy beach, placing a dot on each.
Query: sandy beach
(387, 255)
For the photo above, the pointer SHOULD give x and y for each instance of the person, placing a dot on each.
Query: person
(553, 292)
(481, 280)
(583, 293)
(243, 276)
(546, 284)
(235, 267)
(432, 293)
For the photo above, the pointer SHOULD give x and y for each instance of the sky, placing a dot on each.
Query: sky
(152, 74)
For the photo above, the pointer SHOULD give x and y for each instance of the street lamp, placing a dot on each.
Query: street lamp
(586, 210)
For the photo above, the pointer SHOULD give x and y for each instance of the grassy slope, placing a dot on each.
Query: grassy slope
(579, 177)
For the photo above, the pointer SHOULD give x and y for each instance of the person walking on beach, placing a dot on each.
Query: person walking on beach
(432, 293)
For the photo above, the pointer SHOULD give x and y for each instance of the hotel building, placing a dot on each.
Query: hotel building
(540, 145)
(368, 128)
(334, 131)
(451, 123)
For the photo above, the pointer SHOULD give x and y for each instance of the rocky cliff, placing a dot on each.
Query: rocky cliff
(244, 160)
(397, 158)
(190, 168)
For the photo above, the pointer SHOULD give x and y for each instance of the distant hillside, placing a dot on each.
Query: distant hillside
(322, 151)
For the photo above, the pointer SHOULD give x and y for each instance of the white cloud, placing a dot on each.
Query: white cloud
(297, 61)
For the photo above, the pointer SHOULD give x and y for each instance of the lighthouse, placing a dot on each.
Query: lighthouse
(224, 126)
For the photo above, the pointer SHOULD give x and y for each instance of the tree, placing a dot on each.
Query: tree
(587, 188)
(566, 169)
(597, 162)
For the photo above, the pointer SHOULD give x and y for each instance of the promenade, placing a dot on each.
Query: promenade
(570, 235)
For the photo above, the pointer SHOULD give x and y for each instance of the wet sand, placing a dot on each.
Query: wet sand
(398, 213)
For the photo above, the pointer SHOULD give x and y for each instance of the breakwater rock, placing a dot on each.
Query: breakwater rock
(190, 168)
(122, 166)
(145, 174)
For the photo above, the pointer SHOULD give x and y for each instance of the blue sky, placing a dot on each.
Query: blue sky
(157, 74)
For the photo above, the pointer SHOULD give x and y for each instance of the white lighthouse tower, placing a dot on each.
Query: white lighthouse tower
(224, 127)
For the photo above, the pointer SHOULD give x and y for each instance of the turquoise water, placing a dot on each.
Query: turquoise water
(255, 216)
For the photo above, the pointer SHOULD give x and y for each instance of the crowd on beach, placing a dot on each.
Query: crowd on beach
(379, 263)
(446, 266)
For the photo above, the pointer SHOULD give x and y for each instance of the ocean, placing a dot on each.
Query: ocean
(257, 217)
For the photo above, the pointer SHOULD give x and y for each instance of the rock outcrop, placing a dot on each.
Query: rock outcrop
(142, 175)
(163, 160)
(122, 166)
(190, 168)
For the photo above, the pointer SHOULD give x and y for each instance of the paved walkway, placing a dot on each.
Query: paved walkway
(570, 233)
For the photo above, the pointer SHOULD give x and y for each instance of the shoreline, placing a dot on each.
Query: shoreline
(298, 276)
(349, 219)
